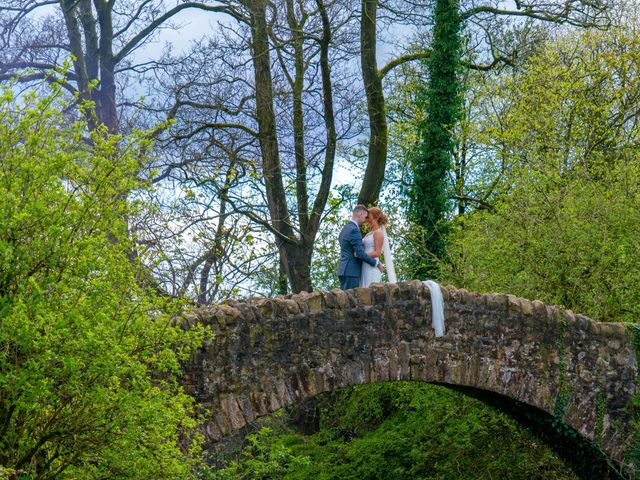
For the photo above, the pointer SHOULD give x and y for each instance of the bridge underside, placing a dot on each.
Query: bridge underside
(271, 353)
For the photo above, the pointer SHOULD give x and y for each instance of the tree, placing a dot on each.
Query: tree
(100, 40)
(295, 251)
(498, 36)
(263, 94)
(378, 131)
(432, 161)
(566, 227)
(191, 238)
(428, 208)
(89, 361)
(97, 37)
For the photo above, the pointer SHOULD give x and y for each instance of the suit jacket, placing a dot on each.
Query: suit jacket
(350, 243)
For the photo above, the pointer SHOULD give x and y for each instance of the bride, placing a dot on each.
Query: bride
(376, 243)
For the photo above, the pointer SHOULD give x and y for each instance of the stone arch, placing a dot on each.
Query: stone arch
(266, 354)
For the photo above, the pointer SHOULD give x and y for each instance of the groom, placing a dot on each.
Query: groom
(350, 265)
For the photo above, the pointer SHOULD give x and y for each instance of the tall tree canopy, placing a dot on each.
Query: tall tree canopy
(99, 36)
(498, 33)
(263, 102)
(263, 95)
(565, 228)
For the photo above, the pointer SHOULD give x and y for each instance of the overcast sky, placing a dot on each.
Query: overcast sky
(194, 24)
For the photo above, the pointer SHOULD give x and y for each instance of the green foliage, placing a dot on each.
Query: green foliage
(402, 431)
(472, 180)
(432, 160)
(567, 231)
(268, 455)
(573, 245)
(326, 249)
(88, 364)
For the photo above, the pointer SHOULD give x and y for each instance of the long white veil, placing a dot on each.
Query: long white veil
(437, 302)
(437, 307)
(388, 258)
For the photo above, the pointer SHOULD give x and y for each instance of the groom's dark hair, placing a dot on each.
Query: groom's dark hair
(358, 208)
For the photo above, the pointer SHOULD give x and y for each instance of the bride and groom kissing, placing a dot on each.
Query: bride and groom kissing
(360, 264)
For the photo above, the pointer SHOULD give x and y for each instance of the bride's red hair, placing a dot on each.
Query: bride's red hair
(378, 215)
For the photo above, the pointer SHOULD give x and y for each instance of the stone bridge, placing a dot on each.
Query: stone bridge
(270, 353)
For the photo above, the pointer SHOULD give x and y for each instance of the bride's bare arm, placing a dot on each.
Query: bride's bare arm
(378, 240)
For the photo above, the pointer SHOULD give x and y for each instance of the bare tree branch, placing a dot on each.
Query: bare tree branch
(149, 29)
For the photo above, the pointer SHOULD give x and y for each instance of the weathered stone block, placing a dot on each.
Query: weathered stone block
(314, 303)
(336, 298)
(513, 305)
(379, 293)
(362, 296)
(408, 290)
(393, 291)
(462, 296)
(292, 306)
(227, 315)
(539, 308)
(496, 301)
(446, 291)
(265, 308)
(473, 299)
(212, 431)
(527, 307)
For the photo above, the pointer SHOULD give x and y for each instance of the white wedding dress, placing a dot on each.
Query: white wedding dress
(372, 274)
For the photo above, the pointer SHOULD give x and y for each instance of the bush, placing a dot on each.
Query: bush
(427, 432)
(88, 364)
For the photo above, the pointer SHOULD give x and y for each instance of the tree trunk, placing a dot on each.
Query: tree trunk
(374, 173)
(297, 86)
(266, 120)
(290, 248)
(298, 265)
(93, 58)
(107, 111)
(206, 294)
(329, 123)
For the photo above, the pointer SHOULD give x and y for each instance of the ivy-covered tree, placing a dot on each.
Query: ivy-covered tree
(442, 103)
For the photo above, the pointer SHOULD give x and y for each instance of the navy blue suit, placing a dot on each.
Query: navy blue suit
(350, 266)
